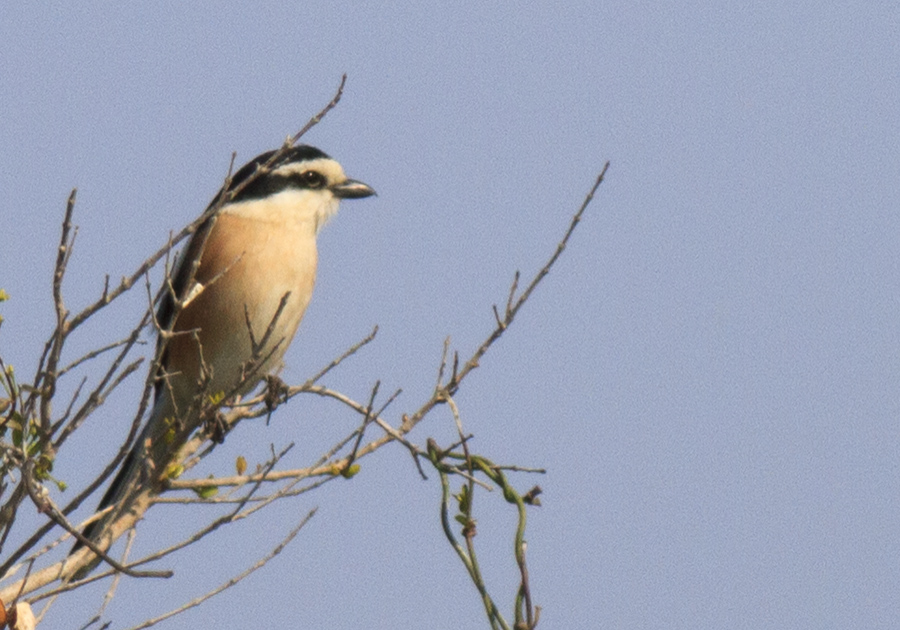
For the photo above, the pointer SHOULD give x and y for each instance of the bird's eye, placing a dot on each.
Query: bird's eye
(312, 179)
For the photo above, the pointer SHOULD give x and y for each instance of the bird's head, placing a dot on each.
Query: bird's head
(305, 178)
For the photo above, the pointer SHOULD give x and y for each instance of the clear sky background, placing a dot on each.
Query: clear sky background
(711, 375)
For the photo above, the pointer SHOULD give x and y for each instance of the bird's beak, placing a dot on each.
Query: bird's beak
(352, 189)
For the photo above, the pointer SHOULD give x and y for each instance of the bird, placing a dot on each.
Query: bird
(235, 299)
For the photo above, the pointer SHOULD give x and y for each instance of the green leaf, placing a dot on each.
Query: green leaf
(206, 492)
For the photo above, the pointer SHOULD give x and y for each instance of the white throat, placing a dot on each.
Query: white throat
(293, 207)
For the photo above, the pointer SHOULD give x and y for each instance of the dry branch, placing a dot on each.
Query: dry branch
(42, 436)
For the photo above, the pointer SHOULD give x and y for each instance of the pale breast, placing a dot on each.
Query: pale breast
(248, 266)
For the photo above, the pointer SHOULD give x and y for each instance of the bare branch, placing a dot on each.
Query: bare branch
(513, 306)
(70, 406)
(226, 519)
(243, 492)
(42, 500)
(94, 354)
(347, 353)
(101, 391)
(258, 565)
(55, 343)
(315, 120)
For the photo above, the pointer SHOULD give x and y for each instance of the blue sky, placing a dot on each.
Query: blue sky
(710, 375)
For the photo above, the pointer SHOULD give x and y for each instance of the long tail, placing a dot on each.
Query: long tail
(130, 476)
(114, 493)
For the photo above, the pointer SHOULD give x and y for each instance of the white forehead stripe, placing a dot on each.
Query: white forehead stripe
(328, 167)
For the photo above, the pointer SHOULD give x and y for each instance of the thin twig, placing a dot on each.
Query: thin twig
(315, 120)
(231, 582)
(513, 306)
(347, 353)
(94, 354)
(44, 504)
(51, 373)
(48, 366)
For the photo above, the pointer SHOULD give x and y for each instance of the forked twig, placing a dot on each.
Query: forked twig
(249, 499)
(48, 370)
(231, 582)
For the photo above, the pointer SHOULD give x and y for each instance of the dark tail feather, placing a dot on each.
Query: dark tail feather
(129, 474)
(115, 492)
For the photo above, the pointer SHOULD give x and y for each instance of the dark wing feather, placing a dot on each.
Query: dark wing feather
(180, 283)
